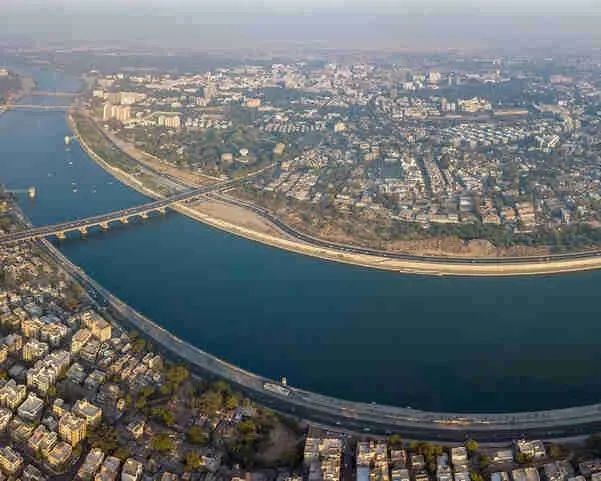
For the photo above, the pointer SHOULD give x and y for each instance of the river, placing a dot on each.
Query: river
(451, 344)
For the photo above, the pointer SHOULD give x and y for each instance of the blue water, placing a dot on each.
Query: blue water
(428, 342)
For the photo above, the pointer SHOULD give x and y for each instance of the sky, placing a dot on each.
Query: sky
(336, 23)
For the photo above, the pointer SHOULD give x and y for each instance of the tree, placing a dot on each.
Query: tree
(176, 375)
(476, 477)
(103, 437)
(395, 441)
(471, 445)
(139, 345)
(555, 451)
(161, 443)
(164, 415)
(210, 402)
(193, 460)
(122, 452)
(523, 458)
(248, 429)
(231, 402)
(197, 436)
(484, 462)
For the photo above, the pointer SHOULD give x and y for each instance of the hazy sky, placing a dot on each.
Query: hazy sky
(338, 23)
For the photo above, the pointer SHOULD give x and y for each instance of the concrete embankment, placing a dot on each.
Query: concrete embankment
(344, 415)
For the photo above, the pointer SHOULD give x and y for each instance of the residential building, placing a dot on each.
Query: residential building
(30, 328)
(86, 410)
(525, 474)
(54, 333)
(59, 407)
(499, 476)
(502, 456)
(34, 350)
(35, 441)
(31, 409)
(323, 458)
(60, 454)
(90, 465)
(12, 395)
(20, 430)
(556, 471)
(132, 470)
(5, 417)
(459, 457)
(534, 449)
(109, 470)
(48, 442)
(97, 325)
(79, 340)
(72, 428)
(31, 473)
(10, 460)
(588, 468)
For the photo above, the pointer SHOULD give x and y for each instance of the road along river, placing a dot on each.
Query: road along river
(444, 344)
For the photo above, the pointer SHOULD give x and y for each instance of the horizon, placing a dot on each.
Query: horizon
(337, 23)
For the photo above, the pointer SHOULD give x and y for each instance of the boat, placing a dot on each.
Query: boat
(74, 191)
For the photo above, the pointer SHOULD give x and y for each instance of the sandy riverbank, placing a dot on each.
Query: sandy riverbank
(240, 222)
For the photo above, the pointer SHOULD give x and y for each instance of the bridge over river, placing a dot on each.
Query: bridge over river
(34, 107)
(123, 215)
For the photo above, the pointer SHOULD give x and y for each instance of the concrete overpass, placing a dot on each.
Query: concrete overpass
(124, 215)
(46, 93)
(35, 107)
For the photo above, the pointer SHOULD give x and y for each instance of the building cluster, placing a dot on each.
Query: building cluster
(330, 456)
(54, 346)
(426, 145)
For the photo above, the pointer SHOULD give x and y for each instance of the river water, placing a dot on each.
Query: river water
(453, 344)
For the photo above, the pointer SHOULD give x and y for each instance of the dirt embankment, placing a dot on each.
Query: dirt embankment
(435, 246)
(192, 179)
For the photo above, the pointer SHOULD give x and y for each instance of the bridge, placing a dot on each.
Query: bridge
(44, 93)
(123, 215)
(34, 107)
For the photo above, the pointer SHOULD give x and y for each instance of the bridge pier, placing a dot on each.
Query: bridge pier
(83, 231)
(144, 215)
(124, 220)
(162, 210)
(104, 225)
(61, 235)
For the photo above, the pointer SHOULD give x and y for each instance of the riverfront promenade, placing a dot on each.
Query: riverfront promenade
(356, 416)
(338, 413)
(300, 242)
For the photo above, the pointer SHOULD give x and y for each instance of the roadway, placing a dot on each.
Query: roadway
(410, 423)
(349, 415)
(314, 241)
(33, 233)
(352, 249)
(338, 413)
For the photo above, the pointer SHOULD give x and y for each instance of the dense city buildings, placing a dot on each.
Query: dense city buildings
(497, 150)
